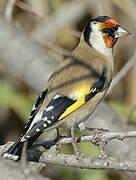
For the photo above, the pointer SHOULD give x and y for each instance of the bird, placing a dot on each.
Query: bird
(77, 86)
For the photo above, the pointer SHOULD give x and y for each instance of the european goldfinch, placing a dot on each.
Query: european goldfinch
(77, 86)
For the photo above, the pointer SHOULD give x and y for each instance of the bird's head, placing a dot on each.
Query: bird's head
(102, 34)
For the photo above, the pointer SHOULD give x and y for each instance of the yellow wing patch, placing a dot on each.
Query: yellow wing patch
(72, 108)
(80, 93)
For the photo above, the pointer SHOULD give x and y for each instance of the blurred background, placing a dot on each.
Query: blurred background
(35, 35)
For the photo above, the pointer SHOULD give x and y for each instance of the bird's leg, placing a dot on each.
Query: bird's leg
(58, 138)
(48, 144)
(97, 142)
(75, 148)
(103, 154)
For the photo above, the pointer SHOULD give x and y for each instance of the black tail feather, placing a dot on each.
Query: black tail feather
(14, 152)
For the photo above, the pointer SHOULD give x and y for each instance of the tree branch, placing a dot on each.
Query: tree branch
(128, 7)
(22, 58)
(66, 16)
(88, 162)
(101, 137)
(84, 161)
(12, 171)
(47, 19)
(10, 9)
(123, 72)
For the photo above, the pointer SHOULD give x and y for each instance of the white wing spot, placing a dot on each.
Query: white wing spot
(44, 125)
(30, 117)
(52, 117)
(49, 108)
(27, 136)
(37, 118)
(48, 121)
(37, 130)
(22, 139)
(45, 118)
(34, 108)
(56, 96)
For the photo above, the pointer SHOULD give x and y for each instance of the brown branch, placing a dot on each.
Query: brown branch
(128, 7)
(123, 72)
(101, 137)
(12, 171)
(88, 162)
(15, 171)
(56, 48)
(28, 9)
(10, 9)
(66, 16)
(22, 58)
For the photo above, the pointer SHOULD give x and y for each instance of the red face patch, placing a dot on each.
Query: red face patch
(109, 41)
(109, 23)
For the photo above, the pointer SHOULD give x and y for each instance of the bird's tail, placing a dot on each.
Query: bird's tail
(14, 152)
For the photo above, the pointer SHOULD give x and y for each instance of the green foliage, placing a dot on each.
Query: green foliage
(11, 98)
(124, 110)
(93, 174)
(55, 5)
(80, 174)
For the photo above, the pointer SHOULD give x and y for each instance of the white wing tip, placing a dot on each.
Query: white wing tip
(10, 156)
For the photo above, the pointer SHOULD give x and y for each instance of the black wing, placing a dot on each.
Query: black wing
(35, 110)
(102, 83)
(50, 115)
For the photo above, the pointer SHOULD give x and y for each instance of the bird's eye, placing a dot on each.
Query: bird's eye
(105, 31)
(94, 22)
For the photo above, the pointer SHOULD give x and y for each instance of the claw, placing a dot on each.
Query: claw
(75, 148)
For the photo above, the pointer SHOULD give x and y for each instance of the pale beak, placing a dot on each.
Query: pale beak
(122, 32)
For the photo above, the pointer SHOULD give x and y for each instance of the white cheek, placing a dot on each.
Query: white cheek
(97, 41)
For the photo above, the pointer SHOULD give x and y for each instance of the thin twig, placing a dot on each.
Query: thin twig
(10, 9)
(122, 72)
(56, 48)
(87, 162)
(131, 113)
(98, 7)
(36, 58)
(128, 7)
(28, 9)
(102, 137)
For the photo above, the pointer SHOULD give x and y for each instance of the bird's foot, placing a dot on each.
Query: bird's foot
(103, 154)
(97, 141)
(102, 145)
(97, 135)
(74, 144)
(58, 140)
